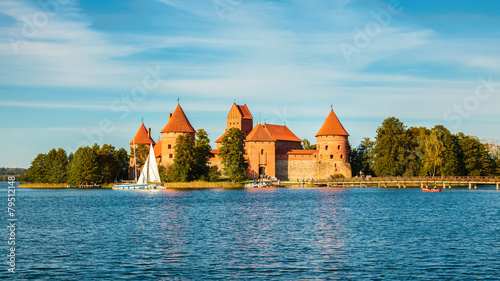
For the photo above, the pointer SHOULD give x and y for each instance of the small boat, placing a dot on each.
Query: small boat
(256, 185)
(431, 190)
(149, 178)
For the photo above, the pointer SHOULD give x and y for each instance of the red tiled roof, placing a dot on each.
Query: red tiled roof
(332, 126)
(302, 151)
(178, 123)
(245, 111)
(142, 136)
(269, 132)
(280, 132)
(220, 139)
(260, 133)
(157, 148)
(214, 151)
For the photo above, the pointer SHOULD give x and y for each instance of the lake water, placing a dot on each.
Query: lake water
(284, 234)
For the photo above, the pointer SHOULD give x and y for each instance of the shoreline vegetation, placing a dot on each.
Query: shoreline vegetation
(172, 185)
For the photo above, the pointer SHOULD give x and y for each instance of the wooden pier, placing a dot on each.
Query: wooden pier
(404, 182)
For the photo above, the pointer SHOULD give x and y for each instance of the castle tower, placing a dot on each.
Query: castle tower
(239, 117)
(265, 145)
(177, 125)
(333, 147)
(143, 136)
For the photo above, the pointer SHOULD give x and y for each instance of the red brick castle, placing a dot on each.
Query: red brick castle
(271, 150)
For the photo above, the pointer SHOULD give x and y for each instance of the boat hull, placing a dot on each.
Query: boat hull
(137, 187)
(431, 190)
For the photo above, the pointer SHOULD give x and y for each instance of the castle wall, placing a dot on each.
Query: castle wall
(298, 170)
(169, 140)
(261, 154)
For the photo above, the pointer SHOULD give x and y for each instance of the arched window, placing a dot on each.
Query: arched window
(339, 147)
(169, 146)
(331, 156)
(262, 151)
(326, 147)
(341, 156)
(170, 156)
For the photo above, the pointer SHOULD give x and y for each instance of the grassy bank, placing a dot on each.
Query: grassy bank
(43, 185)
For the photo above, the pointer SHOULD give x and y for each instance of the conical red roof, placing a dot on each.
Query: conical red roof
(142, 136)
(178, 123)
(332, 127)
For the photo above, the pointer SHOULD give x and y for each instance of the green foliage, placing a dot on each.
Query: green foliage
(361, 158)
(307, 145)
(183, 168)
(12, 171)
(87, 165)
(232, 154)
(141, 154)
(37, 172)
(391, 148)
(191, 158)
(84, 166)
(474, 157)
(401, 151)
(202, 156)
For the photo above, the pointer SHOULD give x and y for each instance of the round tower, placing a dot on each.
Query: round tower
(332, 146)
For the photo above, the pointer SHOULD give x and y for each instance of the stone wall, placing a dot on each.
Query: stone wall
(310, 169)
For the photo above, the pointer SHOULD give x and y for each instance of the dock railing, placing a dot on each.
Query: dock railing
(403, 182)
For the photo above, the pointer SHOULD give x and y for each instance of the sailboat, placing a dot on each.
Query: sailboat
(149, 178)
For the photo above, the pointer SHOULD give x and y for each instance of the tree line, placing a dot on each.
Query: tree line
(5, 173)
(418, 151)
(96, 164)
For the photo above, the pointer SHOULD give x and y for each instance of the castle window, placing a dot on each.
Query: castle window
(169, 146)
(326, 147)
(262, 151)
(331, 156)
(335, 165)
(170, 156)
(339, 147)
(341, 156)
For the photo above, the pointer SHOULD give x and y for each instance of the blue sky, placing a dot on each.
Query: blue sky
(76, 72)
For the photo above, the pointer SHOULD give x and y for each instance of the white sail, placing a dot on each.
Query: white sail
(150, 172)
(154, 175)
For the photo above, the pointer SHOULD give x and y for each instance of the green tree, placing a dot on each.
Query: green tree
(184, 166)
(434, 152)
(107, 163)
(232, 154)
(57, 165)
(307, 145)
(474, 156)
(84, 167)
(451, 165)
(202, 156)
(122, 163)
(362, 158)
(391, 148)
(37, 172)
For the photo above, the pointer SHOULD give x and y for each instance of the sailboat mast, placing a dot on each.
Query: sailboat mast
(147, 163)
(135, 165)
